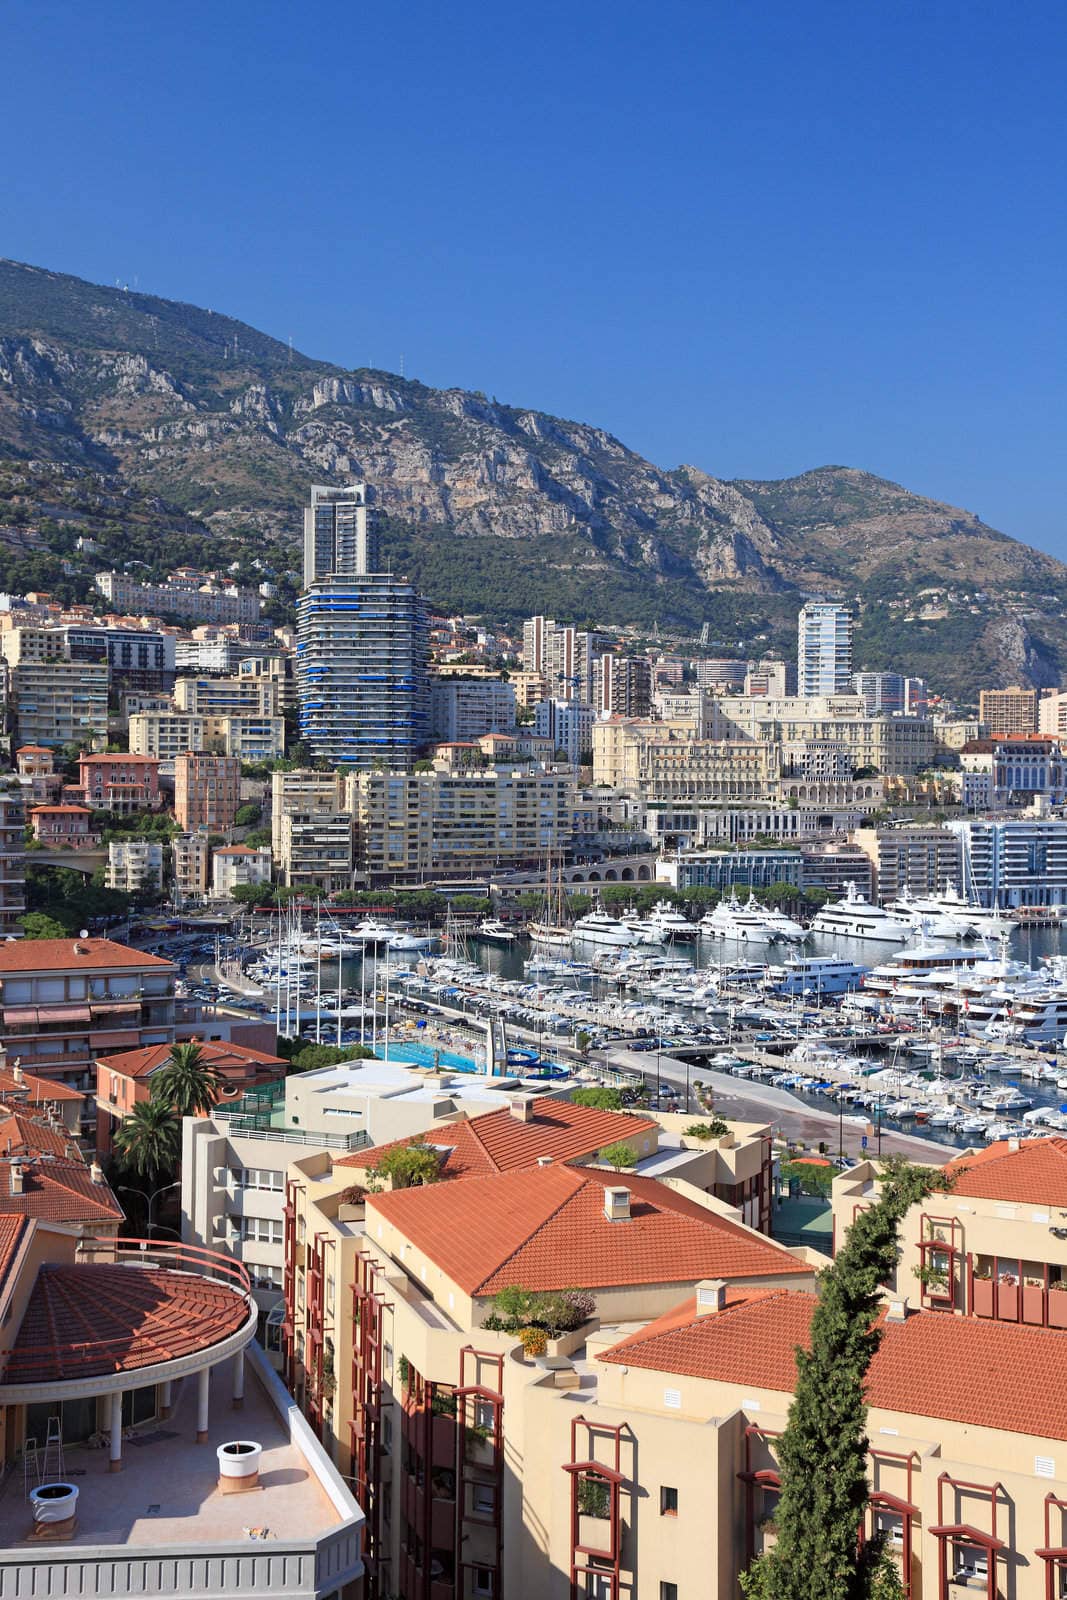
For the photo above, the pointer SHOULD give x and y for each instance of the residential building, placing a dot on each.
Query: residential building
(362, 655)
(529, 687)
(36, 767)
(207, 791)
(569, 725)
(135, 865)
(125, 1345)
(1008, 711)
(834, 866)
(721, 674)
(191, 853)
(898, 744)
(137, 658)
(685, 825)
(316, 848)
(340, 533)
(162, 736)
(237, 864)
(883, 693)
(921, 860)
(301, 790)
(120, 783)
(622, 686)
(563, 655)
(60, 702)
(462, 709)
(183, 594)
(426, 1353)
(64, 1001)
(1016, 862)
(824, 648)
(772, 679)
(165, 735)
(64, 827)
(23, 645)
(428, 824)
(276, 668)
(12, 854)
(224, 655)
(124, 1079)
(1052, 713)
(242, 696)
(730, 869)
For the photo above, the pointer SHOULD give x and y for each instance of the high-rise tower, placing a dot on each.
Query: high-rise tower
(340, 533)
(824, 649)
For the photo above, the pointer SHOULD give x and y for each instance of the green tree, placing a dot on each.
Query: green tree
(148, 1141)
(822, 1454)
(619, 1155)
(409, 1165)
(310, 1057)
(187, 1085)
(599, 1099)
(36, 925)
(248, 815)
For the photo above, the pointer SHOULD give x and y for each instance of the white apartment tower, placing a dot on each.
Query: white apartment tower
(824, 649)
(340, 533)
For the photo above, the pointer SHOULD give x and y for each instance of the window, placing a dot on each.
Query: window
(482, 1581)
(668, 1502)
(258, 1178)
(668, 1591)
(262, 1230)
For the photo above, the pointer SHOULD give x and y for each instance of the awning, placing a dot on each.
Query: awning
(127, 1039)
(115, 1005)
(65, 1013)
(21, 1017)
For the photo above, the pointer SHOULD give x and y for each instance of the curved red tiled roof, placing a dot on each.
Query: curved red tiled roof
(91, 1320)
(72, 955)
(546, 1229)
(57, 1191)
(959, 1369)
(1033, 1172)
(220, 1055)
(498, 1141)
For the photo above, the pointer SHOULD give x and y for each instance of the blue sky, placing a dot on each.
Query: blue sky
(757, 238)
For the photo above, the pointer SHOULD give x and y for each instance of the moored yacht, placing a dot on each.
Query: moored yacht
(672, 923)
(731, 920)
(855, 918)
(492, 931)
(599, 927)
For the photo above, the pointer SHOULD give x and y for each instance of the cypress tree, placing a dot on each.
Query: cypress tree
(823, 1450)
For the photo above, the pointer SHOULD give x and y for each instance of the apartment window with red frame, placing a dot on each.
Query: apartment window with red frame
(668, 1501)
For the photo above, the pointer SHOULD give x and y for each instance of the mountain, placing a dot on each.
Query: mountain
(170, 433)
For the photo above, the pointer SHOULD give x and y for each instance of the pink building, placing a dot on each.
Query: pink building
(67, 826)
(120, 783)
(37, 764)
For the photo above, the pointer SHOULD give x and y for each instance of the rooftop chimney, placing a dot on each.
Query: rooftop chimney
(711, 1296)
(1013, 1144)
(96, 1172)
(897, 1309)
(617, 1204)
(544, 1161)
(16, 1178)
(522, 1108)
(17, 1070)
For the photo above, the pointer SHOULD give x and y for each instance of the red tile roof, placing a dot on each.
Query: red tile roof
(57, 1191)
(90, 1320)
(12, 1232)
(34, 1089)
(50, 811)
(222, 1055)
(119, 758)
(546, 1229)
(20, 1133)
(959, 1369)
(1034, 1172)
(500, 1142)
(72, 955)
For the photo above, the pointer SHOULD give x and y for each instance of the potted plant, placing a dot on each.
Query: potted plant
(1007, 1297)
(534, 1342)
(594, 1508)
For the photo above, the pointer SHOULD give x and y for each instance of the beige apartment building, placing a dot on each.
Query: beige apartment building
(1006, 711)
(317, 849)
(243, 696)
(465, 1475)
(191, 855)
(166, 734)
(134, 865)
(922, 860)
(13, 792)
(302, 790)
(416, 824)
(235, 865)
(60, 702)
(897, 744)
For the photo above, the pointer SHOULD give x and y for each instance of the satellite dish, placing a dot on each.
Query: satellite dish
(84, 934)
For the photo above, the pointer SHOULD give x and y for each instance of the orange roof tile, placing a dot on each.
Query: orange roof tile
(35, 1089)
(42, 811)
(57, 1191)
(121, 757)
(497, 1141)
(222, 1055)
(89, 1320)
(71, 955)
(959, 1369)
(546, 1229)
(1033, 1172)
(20, 1133)
(12, 1232)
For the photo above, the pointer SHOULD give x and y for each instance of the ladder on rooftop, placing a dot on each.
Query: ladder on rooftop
(52, 1466)
(31, 1468)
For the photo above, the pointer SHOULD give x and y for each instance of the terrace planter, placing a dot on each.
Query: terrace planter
(1007, 1301)
(54, 1502)
(1034, 1304)
(982, 1297)
(1057, 1308)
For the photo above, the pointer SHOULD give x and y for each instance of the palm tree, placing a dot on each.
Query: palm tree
(147, 1141)
(187, 1084)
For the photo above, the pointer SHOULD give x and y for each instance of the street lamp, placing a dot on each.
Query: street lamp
(150, 1197)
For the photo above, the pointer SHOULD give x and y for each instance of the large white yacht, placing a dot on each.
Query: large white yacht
(788, 928)
(598, 927)
(672, 923)
(732, 920)
(951, 914)
(855, 918)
